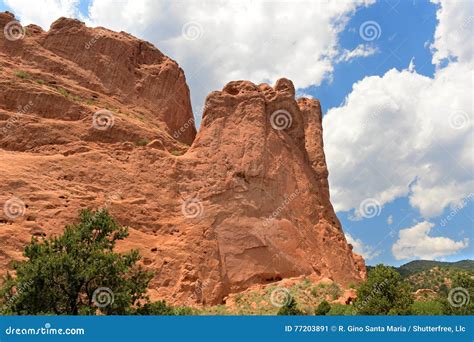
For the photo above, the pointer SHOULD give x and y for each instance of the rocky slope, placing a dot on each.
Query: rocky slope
(94, 118)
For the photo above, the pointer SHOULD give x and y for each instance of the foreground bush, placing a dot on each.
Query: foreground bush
(76, 273)
(460, 298)
(290, 309)
(429, 308)
(322, 309)
(384, 293)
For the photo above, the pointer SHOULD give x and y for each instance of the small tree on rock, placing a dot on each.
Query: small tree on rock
(77, 272)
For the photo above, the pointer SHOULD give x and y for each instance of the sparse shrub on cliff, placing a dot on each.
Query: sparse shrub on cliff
(22, 74)
(323, 308)
(383, 293)
(77, 272)
(290, 309)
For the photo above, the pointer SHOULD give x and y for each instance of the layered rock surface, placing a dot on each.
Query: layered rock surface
(246, 203)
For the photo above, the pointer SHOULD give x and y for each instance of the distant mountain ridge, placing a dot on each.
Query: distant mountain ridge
(417, 266)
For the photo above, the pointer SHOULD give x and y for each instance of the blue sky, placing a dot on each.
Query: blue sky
(414, 165)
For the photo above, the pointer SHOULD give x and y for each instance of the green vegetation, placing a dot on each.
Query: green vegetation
(384, 293)
(22, 74)
(341, 310)
(62, 91)
(290, 309)
(39, 81)
(323, 308)
(77, 272)
(460, 298)
(417, 266)
(431, 308)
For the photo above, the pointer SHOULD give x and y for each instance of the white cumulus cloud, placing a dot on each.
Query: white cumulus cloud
(415, 242)
(407, 134)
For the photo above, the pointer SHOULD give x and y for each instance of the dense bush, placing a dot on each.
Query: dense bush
(460, 298)
(77, 272)
(290, 309)
(383, 293)
(341, 310)
(323, 308)
(429, 308)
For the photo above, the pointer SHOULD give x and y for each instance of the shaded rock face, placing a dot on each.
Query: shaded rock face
(246, 203)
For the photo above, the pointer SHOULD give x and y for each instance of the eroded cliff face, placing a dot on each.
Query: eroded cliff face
(246, 203)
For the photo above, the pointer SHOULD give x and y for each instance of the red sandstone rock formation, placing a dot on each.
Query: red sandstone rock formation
(246, 203)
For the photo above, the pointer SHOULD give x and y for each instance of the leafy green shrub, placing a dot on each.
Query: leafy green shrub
(341, 310)
(383, 293)
(323, 308)
(429, 308)
(290, 309)
(77, 272)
